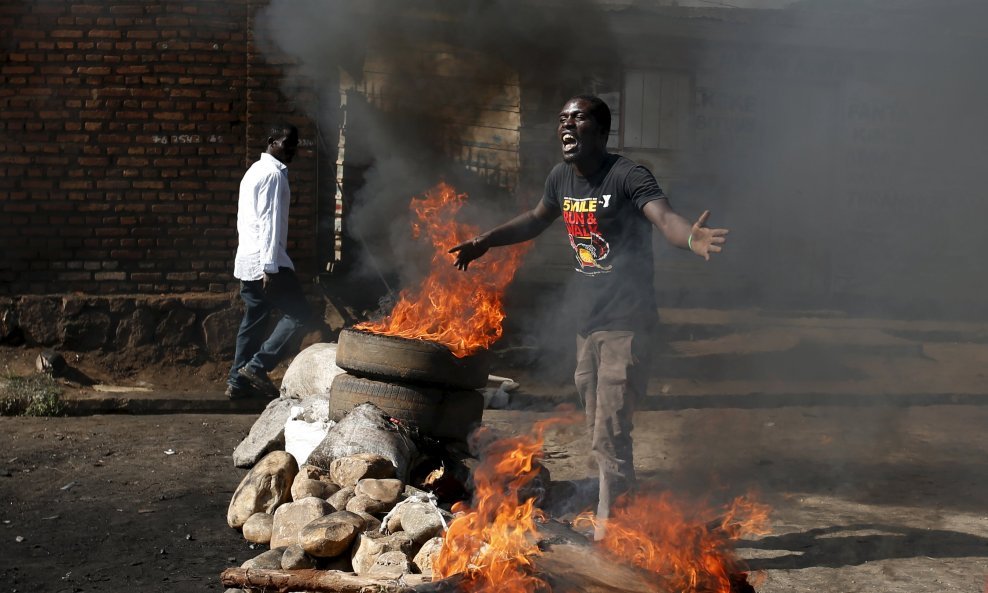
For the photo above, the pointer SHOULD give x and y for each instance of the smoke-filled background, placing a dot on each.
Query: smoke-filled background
(842, 144)
(416, 79)
(838, 140)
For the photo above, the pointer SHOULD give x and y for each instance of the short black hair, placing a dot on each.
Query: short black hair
(598, 109)
(281, 129)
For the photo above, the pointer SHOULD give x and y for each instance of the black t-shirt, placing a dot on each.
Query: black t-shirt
(611, 240)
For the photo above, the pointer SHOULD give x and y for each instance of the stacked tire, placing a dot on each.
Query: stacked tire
(416, 381)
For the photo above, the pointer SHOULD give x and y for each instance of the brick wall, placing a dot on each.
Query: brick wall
(125, 127)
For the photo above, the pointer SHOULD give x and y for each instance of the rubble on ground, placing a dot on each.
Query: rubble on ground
(354, 504)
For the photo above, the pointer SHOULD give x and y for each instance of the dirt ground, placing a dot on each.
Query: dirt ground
(892, 500)
(876, 476)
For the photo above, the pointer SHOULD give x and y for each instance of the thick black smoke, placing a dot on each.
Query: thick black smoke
(423, 72)
(840, 140)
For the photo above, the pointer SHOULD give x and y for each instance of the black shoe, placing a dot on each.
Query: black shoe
(260, 382)
(235, 392)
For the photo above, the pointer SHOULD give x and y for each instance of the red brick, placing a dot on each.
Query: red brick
(17, 207)
(93, 70)
(126, 9)
(149, 184)
(73, 276)
(98, 162)
(9, 70)
(171, 21)
(132, 69)
(170, 115)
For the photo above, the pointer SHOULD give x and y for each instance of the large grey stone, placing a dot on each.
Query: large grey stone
(38, 319)
(370, 545)
(268, 560)
(413, 497)
(257, 528)
(385, 490)
(51, 363)
(266, 435)
(394, 520)
(331, 535)
(311, 372)
(362, 503)
(347, 471)
(88, 330)
(421, 521)
(339, 500)
(136, 330)
(177, 328)
(313, 481)
(295, 558)
(305, 487)
(426, 557)
(371, 523)
(265, 487)
(391, 565)
(9, 324)
(219, 331)
(289, 519)
(366, 430)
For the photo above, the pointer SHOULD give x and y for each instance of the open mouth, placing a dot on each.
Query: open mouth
(570, 143)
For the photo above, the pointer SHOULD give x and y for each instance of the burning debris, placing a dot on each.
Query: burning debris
(373, 530)
(424, 363)
(461, 312)
(382, 501)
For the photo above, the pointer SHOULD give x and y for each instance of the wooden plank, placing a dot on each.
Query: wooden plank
(567, 567)
(284, 581)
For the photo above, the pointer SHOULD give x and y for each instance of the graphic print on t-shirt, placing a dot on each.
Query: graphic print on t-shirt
(580, 216)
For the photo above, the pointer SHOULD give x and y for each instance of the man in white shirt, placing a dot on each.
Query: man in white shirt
(266, 273)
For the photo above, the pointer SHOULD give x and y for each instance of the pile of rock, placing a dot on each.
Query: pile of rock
(367, 494)
(355, 515)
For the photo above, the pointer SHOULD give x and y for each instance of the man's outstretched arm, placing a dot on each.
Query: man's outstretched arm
(697, 237)
(521, 228)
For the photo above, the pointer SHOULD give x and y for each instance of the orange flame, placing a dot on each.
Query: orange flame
(691, 546)
(461, 311)
(493, 542)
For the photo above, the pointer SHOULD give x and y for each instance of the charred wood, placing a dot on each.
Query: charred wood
(322, 581)
(567, 562)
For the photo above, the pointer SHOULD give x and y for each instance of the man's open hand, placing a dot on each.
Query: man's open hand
(706, 240)
(468, 251)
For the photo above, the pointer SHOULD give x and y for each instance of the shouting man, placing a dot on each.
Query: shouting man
(609, 206)
(266, 273)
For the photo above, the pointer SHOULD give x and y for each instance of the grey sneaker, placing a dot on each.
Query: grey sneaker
(259, 381)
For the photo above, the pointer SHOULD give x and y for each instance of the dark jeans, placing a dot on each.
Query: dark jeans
(612, 369)
(283, 293)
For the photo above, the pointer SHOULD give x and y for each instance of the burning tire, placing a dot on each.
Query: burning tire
(388, 358)
(461, 412)
(436, 412)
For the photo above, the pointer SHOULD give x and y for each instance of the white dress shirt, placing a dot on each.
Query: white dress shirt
(262, 220)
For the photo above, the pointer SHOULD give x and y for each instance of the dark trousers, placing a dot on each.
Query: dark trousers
(283, 293)
(612, 369)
